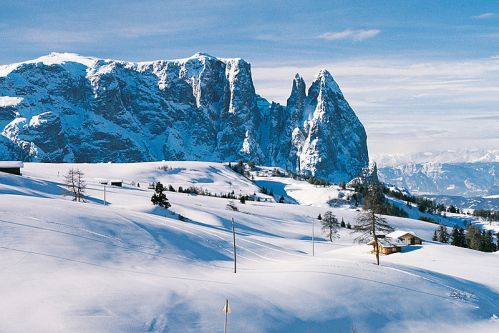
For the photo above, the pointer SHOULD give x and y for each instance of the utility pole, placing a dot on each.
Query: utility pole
(313, 237)
(234, 244)
(105, 195)
(226, 310)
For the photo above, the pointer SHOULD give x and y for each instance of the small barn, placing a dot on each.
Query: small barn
(12, 167)
(116, 182)
(407, 237)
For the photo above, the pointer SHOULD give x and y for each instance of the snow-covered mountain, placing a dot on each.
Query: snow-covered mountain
(456, 179)
(444, 156)
(65, 107)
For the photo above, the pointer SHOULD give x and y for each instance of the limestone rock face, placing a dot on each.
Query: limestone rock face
(65, 107)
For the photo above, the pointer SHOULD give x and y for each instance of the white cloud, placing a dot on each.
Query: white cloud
(355, 35)
(437, 104)
(484, 16)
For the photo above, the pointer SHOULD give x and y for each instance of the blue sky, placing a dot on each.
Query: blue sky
(421, 75)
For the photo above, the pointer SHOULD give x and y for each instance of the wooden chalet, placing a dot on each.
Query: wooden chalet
(387, 245)
(12, 167)
(395, 241)
(407, 237)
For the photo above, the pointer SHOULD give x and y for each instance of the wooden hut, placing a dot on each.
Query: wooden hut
(387, 245)
(407, 237)
(12, 167)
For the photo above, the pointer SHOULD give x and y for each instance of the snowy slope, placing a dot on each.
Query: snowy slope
(129, 267)
(214, 177)
(300, 192)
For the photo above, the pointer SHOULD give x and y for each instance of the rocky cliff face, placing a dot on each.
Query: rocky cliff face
(64, 107)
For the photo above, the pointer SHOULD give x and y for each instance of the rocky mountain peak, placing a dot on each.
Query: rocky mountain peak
(87, 109)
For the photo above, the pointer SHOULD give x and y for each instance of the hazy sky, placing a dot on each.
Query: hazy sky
(421, 75)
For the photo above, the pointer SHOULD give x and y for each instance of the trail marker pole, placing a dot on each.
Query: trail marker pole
(227, 311)
(105, 195)
(234, 244)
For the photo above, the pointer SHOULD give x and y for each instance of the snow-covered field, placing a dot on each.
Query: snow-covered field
(130, 267)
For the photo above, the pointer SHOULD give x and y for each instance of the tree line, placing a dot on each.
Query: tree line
(471, 237)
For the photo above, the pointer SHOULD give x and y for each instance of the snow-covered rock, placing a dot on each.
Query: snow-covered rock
(66, 107)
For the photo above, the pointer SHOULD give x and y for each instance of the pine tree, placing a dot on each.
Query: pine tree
(473, 237)
(369, 223)
(343, 223)
(442, 234)
(458, 237)
(487, 242)
(281, 199)
(159, 197)
(370, 226)
(435, 237)
(330, 225)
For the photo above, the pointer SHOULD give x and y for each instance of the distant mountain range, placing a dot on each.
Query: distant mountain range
(464, 184)
(66, 107)
(446, 156)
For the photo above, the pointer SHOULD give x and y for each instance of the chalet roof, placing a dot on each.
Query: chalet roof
(388, 242)
(401, 233)
(11, 164)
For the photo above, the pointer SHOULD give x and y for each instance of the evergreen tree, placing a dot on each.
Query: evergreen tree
(442, 234)
(159, 197)
(343, 223)
(369, 223)
(281, 199)
(473, 237)
(487, 242)
(458, 237)
(330, 225)
(170, 188)
(242, 199)
(435, 237)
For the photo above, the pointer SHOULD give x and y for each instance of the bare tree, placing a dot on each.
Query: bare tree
(75, 184)
(330, 225)
(231, 206)
(369, 224)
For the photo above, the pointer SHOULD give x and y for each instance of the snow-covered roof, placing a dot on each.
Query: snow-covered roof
(388, 242)
(400, 233)
(11, 164)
